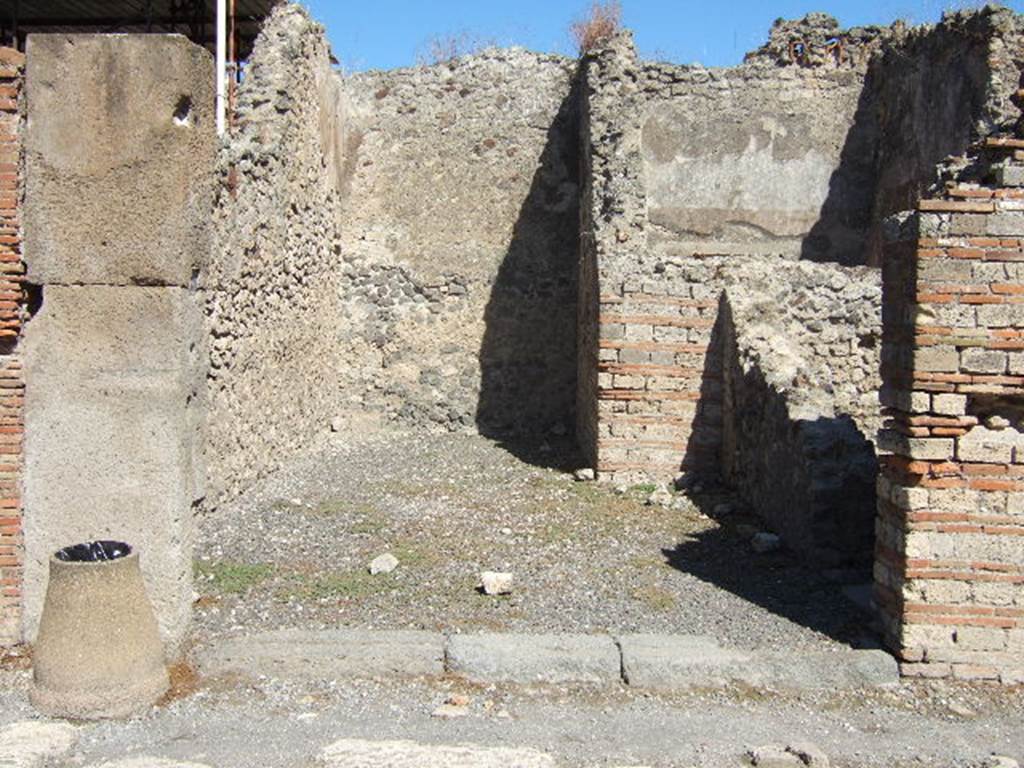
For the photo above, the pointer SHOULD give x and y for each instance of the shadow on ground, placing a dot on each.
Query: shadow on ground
(776, 581)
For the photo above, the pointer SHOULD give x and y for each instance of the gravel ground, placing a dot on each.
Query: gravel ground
(294, 552)
(242, 722)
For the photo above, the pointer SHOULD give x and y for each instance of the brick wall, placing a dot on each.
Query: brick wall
(674, 160)
(11, 386)
(658, 381)
(950, 531)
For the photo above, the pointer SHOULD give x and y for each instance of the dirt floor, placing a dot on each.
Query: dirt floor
(586, 557)
(294, 553)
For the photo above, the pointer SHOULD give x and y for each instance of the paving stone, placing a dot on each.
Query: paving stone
(527, 658)
(318, 655)
(32, 744)
(679, 662)
(674, 662)
(149, 762)
(357, 753)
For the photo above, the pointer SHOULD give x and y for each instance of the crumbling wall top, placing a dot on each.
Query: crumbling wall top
(817, 40)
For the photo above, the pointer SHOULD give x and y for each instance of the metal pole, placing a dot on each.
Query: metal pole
(232, 63)
(222, 34)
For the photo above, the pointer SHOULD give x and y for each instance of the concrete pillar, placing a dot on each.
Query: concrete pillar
(120, 153)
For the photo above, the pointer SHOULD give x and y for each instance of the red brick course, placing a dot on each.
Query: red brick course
(949, 564)
(11, 382)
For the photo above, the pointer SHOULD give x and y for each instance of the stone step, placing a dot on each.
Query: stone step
(495, 658)
(648, 661)
(328, 654)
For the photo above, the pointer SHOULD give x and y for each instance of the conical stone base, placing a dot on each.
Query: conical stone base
(98, 653)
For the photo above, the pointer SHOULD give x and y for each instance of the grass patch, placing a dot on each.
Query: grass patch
(552, 533)
(369, 523)
(412, 555)
(656, 598)
(338, 585)
(642, 562)
(644, 488)
(233, 578)
(588, 491)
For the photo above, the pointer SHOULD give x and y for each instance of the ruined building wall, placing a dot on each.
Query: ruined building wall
(119, 152)
(756, 159)
(938, 88)
(691, 168)
(801, 346)
(12, 548)
(459, 234)
(950, 535)
(271, 292)
(706, 185)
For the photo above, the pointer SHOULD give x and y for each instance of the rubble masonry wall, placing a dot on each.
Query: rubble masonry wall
(459, 237)
(272, 309)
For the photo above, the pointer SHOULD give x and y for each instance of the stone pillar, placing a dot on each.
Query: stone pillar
(12, 553)
(647, 405)
(120, 152)
(950, 531)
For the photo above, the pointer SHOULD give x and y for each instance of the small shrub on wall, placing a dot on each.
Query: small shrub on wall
(597, 25)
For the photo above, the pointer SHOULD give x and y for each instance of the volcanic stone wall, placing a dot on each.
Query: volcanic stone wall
(950, 547)
(685, 166)
(937, 89)
(12, 549)
(271, 292)
(459, 235)
(800, 346)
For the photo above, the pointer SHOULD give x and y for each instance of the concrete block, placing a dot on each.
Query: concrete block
(943, 359)
(924, 448)
(328, 654)
(1010, 175)
(120, 152)
(983, 361)
(909, 498)
(534, 658)
(949, 405)
(911, 402)
(989, 445)
(1001, 315)
(113, 412)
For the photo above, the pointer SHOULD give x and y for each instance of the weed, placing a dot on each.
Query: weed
(233, 578)
(645, 488)
(597, 25)
(642, 562)
(411, 555)
(337, 585)
(654, 597)
(369, 523)
(443, 49)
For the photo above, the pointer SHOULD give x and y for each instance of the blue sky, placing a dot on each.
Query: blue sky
(392, 33)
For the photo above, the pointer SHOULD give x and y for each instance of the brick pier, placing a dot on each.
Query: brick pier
(11, 385)
(950, 532)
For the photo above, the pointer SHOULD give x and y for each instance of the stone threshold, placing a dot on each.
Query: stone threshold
(642, 661)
